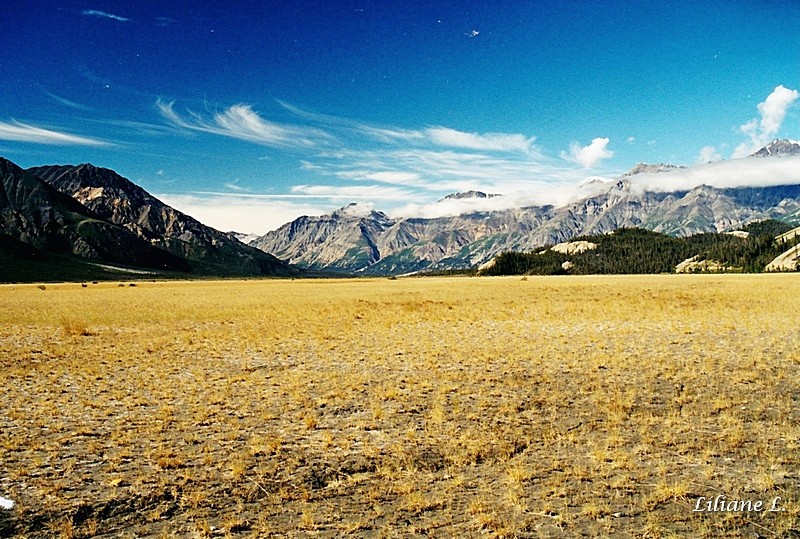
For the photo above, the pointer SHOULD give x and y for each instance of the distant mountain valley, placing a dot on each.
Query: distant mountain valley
(372, 243)
(66, 222)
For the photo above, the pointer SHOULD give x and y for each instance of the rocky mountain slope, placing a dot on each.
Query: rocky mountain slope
(344, 241)
(39, 224)
(397, 246)
(781, 147)
(120, 201)
(83, 222)
(374, 244)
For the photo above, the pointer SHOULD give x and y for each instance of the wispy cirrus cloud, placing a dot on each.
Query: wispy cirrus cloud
(407, 179)
(402, 178)
(408, 171)
(772, 112)
(389, 135)
(427, 175)
(242, 122)
(135, 128)
(104, 15)
(430, 136)
(20, 132)
(405, 170)
(428, 160)
(64, 101)
(493, 142)
(234, 186)
(439, 171)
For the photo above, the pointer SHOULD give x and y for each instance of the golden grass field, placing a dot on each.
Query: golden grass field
(442, 407)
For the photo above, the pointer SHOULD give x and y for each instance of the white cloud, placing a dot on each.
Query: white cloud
(437, 136)
(708, 154)
(352, 192)
(357, 209)
(401, 178)
(451, 207)
(408, 179)
(591, 155)
(242, 122)
(105, 15)
(772, 111)
(308, 165)
(405, 167)
(135, 128)
(260, 213)
(20, 132)
(494, 142)
(429, 173)
(246, 214)
(392, 135)
(745, 172)
(443, 166)
(233, 186)
(514, 195)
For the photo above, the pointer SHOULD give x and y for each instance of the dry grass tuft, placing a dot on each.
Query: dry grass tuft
(72, 327)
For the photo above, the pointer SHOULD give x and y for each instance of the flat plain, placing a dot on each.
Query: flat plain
(442, 407)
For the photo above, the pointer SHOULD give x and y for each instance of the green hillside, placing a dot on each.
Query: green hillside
(633, 250)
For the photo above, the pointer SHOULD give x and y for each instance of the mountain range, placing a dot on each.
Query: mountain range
(369, 242)
(65, 222)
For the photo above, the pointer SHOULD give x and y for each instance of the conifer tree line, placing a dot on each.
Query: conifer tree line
(635, 250)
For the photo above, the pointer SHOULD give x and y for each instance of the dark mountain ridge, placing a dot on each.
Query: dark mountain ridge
(80, 222)
(120, 201)
(36, 220)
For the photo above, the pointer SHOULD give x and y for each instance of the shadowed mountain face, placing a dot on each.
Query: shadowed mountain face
(81, 222)
(120, 201)
(36, 219)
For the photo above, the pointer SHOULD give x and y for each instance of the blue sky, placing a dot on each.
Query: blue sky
(248, 114)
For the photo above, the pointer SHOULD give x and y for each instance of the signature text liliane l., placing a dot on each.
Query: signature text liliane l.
(720, 504)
